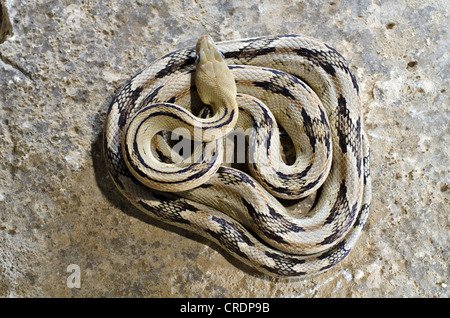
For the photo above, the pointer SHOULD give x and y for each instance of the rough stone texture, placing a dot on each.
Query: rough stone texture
(61, 67)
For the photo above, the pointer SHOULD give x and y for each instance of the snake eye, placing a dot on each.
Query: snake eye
(197, 58)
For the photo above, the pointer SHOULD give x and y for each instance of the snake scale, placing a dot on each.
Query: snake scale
(293, 82)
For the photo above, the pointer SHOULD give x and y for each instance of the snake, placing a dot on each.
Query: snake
(297, 105)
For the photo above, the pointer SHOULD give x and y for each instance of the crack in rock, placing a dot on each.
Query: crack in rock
(5, 23)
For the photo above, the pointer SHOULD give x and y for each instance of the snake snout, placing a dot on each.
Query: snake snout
(207, 51)
(205, 41)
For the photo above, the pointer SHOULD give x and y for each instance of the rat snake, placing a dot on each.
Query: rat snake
(286, 84)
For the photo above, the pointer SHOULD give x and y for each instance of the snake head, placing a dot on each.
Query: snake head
(214, 81)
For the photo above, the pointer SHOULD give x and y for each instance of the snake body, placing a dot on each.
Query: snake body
(296, 81)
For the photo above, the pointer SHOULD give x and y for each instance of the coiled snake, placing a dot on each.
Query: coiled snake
(292, 82)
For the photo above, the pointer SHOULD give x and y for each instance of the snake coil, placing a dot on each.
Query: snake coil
(292, 81)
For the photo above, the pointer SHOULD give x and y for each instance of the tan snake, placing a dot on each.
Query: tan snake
(292, 81)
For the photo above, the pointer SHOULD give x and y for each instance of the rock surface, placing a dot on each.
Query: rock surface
(60, 65)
